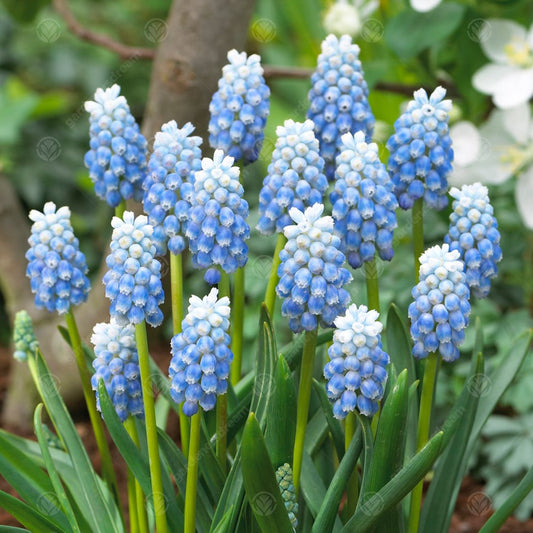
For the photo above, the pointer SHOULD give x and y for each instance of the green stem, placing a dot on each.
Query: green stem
(237, 323)
(352, 488)
(176, 291)
(138, 511)
(90, 399)
(151, 429)
(424, 421)
(372, 285)
(270, 295)
(119, 210)
(132, 503)
(192, 475)
(222, 400)
(418, 234)
(304, 397)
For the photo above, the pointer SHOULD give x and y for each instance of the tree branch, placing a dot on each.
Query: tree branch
(122, 50)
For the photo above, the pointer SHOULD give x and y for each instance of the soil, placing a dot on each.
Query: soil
(471, 512)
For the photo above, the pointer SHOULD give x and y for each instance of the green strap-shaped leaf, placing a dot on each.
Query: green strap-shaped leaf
(260, 482)
(399, 343)
(370, 511)
(52, 472)
(330, 505)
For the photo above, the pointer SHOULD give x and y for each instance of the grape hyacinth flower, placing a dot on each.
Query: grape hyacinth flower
(338, 98)
(24, 337)
(56, 267)
(117, 156)
(474, 234)
(117, 364)
(311, 271)
(356, 372)
(239, 108)
(363, 202)
(201, 356)
(441, 307)
(288, 492)
(168, 187)
(217, 228)
(133, 281)
(295, 176)
(421, 151)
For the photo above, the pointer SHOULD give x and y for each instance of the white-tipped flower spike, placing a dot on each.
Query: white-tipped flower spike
(201, 356)
(356, 372)
(441, 307)
(56, 267)
(311, 271)
(421, 153)
(117, 156)
(133, 281)
(168, 186)
(338, 98)
(117, 364)
(24, 336)
(240, 107)
(295, 176)
(363, 202)
(474, 233)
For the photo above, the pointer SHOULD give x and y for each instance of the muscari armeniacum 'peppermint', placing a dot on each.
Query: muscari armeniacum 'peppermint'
(239, 108)
(356, 372)
(168, 186)
(338, 98)
(363, 202)
(474, 233)
(421, 151)
(117, 156)
(117, 364)
(23, 336)
(288, 492)
(56, 267)
(295, 176)
(440, 310)
(217, 227)
(201, 356)
(311, 271)
(133, 281)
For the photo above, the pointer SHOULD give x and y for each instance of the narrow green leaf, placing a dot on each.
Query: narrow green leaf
(281, 416)
(262, 489)
(11, 529)
(315, 433)
(330, 505)
(334, 425)
(224, 523)
(371, 510)
(368, 451)
(52, 472)
(399, 343)
(87, 351)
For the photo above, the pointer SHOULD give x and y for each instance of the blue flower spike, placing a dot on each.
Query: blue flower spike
(56, 267)
(201, 354)
(312, 275)
(363, 202)
(356, 372)
(133, 281)
(24, 337)
(217, 227)
(239, 108)
(421, 151)
(117, 364)
(440, 310)
(168, 187)
(295, 176)
(338, 98)
(474, 233)
(117, 156)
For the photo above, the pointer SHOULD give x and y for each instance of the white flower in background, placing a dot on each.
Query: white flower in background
(509, 78)
(499, 149)
(424, 5)
(346, 17)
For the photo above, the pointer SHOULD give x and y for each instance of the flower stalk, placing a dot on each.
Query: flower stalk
(192, 474)
(270, 295)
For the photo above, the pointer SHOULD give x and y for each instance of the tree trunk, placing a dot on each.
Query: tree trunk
(186, 68)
